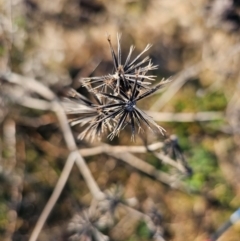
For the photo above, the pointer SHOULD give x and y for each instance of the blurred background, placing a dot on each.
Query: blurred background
(196, 43)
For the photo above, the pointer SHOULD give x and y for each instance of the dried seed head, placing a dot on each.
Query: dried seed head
(84, 226)
(117, 96)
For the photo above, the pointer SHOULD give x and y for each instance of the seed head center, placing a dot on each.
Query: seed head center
(130, 106)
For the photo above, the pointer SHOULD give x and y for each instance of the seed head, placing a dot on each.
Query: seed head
(117, 97)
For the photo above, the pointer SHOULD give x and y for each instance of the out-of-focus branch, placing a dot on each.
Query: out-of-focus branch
(167, 160)
(182, 77)
(124, 153)
(119, 149)
(148, 169)
(36, 87)
(116, 151)
(55, 195)
(16, 180)
(9, 139)
(53, 150)
(45, 92)
(28, 101)
(186, 117)
(177, 83)
(28, 84)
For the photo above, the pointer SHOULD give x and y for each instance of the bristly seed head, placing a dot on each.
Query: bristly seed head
(117, 95)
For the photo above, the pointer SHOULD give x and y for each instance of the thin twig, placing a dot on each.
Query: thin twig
(182, 77)
(111, 150)
(186, 117)
(119, 149)
(27, 101)
(148, 169)
(92, 185)
(56, 151)
(167, 160)
(55, 195)
(9, 139)
(177, 84)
